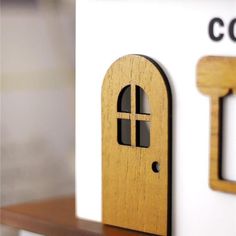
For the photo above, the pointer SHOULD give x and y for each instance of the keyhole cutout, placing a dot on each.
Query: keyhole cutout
(155, 167)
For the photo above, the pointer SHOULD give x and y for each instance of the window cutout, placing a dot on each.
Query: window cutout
(142, 134)
(228, 170)
(124, 132)
(124, 100)
(142, 104)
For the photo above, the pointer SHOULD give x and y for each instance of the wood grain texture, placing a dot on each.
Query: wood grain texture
(135, 197)
(216, 77)
(56, 217)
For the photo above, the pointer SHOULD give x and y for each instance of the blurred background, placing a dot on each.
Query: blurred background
(37, 91)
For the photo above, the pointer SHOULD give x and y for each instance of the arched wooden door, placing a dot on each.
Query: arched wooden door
(135, 146)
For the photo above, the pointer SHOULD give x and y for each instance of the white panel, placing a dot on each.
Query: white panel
(229, 134)
(175, 34)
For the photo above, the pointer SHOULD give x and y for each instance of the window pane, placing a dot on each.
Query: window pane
(124, 100)
(142, 134)
(142, 104)
(124, 131)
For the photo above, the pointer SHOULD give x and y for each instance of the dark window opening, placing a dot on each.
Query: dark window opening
(124, 100)
(142, 104)
(124, 132)
(142, 134)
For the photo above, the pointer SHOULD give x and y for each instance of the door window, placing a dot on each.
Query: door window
(133, 117)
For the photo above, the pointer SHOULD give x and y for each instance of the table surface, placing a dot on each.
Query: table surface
(56, 217)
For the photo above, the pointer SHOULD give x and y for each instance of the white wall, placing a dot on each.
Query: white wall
(175, 34)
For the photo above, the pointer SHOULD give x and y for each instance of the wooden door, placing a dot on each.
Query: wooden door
(136, 146)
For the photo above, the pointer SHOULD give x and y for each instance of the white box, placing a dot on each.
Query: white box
(175, 34)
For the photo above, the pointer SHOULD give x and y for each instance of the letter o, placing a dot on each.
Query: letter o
(232, 29)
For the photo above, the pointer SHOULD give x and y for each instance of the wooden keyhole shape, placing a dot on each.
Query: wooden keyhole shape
(216, 77)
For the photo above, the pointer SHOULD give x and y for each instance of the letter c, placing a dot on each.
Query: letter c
(211, 28)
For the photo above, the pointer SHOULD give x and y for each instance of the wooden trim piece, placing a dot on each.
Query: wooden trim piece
(129, 116)
(143, 117)
(56, 217)
(133, 110)
(123, 115)
(216, 77)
